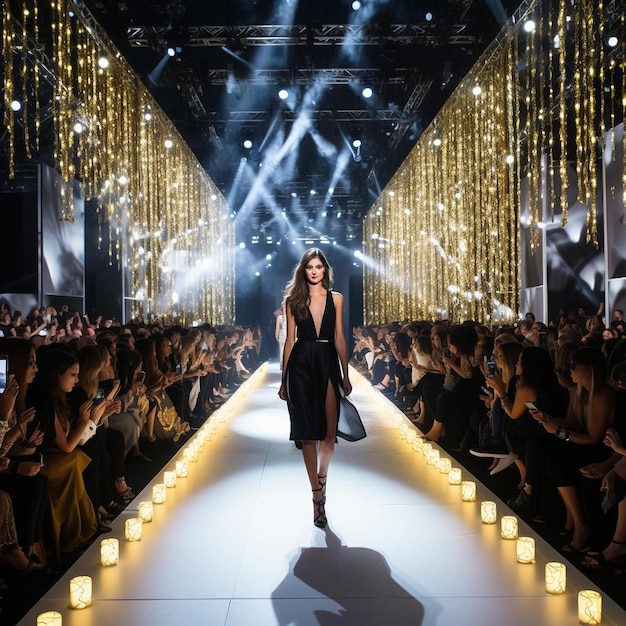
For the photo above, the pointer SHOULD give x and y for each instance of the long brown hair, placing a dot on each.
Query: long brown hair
(297, 291)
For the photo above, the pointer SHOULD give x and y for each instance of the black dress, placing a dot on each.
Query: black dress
(313, 362)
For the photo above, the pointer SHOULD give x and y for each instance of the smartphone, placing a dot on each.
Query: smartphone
(531, 406)
(491, 369)
(4, 372)
(179, 369)
(543, 340)
(447, 352)
(141, 377)
(104, 389)
(43, 332)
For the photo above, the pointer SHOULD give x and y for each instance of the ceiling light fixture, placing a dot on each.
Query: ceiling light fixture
(367, 92)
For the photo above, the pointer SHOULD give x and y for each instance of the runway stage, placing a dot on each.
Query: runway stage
(234, 543)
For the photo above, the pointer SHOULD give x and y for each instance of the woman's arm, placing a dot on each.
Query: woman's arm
(289, 343)
(340, 341)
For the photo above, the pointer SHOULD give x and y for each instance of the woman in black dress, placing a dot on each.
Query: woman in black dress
(311, 376)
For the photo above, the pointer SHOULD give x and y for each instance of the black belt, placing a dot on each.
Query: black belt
(318, 340)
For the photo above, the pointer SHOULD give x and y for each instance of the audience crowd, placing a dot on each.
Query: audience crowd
(545, 401)
(82, 400)
(79, 402)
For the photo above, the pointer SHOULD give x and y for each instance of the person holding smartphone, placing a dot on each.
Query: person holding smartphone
(20, 436)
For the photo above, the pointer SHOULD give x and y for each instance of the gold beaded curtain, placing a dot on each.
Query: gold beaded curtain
(167, 222)
(445, 226)
(443, 239)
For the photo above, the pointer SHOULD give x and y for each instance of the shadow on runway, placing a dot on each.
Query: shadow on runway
(355, 586)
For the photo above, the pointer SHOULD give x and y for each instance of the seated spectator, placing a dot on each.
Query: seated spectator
(73, 520)
(572, 442)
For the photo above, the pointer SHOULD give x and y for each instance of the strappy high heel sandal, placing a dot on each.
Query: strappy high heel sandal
(322, 482)
(319, 511)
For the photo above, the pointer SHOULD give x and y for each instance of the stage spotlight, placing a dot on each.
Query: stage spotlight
(283, 94)
(529, 26)
(16, 106)
(367, 92)
(103, 63)
(428, 17)
(171, 52)
(356, 5)
(612, 41)
(78, 128)
(356, 143)
(247, 137)
(168, 143)
(436, 142)
(477, 90)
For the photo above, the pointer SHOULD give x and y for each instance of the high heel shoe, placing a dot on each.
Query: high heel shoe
(322, 482)
(319, 511)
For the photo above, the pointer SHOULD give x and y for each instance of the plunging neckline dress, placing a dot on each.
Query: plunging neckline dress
(313, 362)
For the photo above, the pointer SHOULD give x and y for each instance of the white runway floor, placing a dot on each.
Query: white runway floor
(234, 544)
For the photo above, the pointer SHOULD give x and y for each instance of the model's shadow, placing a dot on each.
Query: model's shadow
(355, 586)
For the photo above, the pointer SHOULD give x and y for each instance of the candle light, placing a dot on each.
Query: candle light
(169, 479)
(109, 552)
(488, 512)
(426, 446)
(445, 465)
(589, 607)
(508, 527)
(417, 444)
(404, 431)
(80, 592)
(411, 436)
(145, 511)
(468, 491)
(556, 575)
(49, 618)
(525, 550)
(158, 494)
(432, 458)
(454, 476)
(182, 469)
(133, 528)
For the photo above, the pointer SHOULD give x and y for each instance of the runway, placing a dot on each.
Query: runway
(234, 543)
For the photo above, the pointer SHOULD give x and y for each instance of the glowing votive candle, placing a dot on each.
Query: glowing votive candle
(50, 618)
(169, 479)
(132, 529)
(556, 576)
(80, 592)
(525, 550)
(589, 607)
(109, 552)
(468, 491)
(182, 469)
(145, 512)
(488, 512)
(432, 458)
(417, 444)
(404, 431)
(158, 494)
(508, 527)
(411, 436)
(445, 465)
(454, 476)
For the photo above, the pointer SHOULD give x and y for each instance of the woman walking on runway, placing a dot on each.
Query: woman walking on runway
(311, 376)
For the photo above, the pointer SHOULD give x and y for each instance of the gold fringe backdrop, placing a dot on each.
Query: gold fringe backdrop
(168, 224)
(443, 239)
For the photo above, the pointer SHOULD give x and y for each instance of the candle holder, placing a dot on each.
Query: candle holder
(589, 607)
(432, 458)
(159, 494)
(488, 512)
(146, 510)
(182, 469)
(445, 465)
(50, 618)
(132, 529)
(169, 479)
(525, 550)
(468, 491)
(454, 476)
(80, 592)
(556, 578)
(109, 552)
(508, 527)
(417, 444)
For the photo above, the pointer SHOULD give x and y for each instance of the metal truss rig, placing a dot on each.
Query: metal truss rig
(348, 115)
(304, 35)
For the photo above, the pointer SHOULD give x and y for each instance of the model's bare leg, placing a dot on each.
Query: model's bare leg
(575, 512)
(327, 445)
